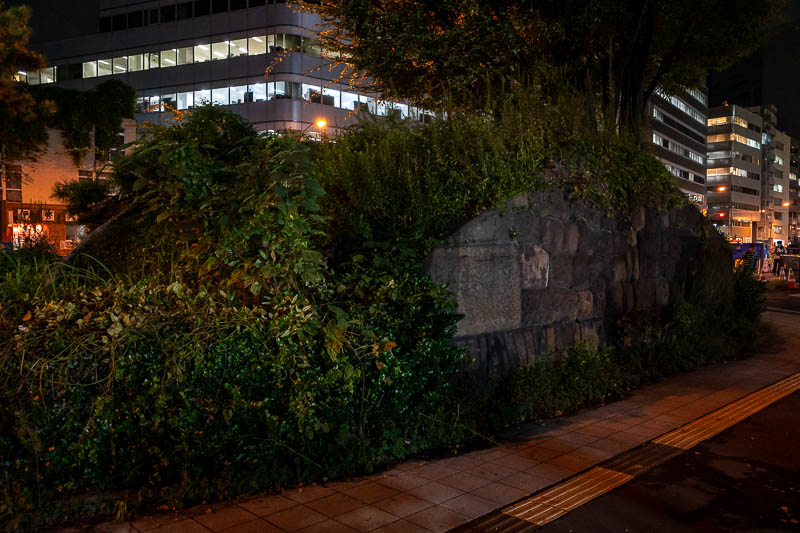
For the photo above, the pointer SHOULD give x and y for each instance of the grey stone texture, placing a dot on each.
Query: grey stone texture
(546, 274)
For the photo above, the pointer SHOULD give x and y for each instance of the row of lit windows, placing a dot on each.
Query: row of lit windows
(677, 148)
(713, 156)
(723, 137)
(200, 53)
(720, 121)
(683, 106)
(278, 90)
(697, 95)
(685, 174)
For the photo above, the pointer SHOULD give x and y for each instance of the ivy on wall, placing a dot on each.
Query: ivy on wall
(79, 113)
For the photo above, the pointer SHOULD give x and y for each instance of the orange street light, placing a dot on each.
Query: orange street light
(722, 189)
(321, 123)
(786, 204)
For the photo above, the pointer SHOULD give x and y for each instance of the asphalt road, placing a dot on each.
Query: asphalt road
(746, 479)
(787, 300)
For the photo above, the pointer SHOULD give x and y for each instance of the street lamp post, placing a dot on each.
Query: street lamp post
(320, 123)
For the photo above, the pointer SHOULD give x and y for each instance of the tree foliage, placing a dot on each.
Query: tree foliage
(617, 52)
(22, 132)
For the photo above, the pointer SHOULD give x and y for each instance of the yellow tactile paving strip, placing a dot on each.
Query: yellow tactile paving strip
(554, 502)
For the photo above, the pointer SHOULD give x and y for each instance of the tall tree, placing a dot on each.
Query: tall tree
(617, 52)
(21, 114)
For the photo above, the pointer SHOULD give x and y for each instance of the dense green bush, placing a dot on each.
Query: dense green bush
(224, 355)
(242, 330)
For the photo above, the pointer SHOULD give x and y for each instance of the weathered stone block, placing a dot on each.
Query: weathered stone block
(535, 267)
(585, 304)
(561, 271)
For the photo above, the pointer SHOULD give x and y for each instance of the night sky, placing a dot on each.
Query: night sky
(770, 76)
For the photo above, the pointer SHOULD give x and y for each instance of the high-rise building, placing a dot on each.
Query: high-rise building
(794, 190)
(260, 57)
(679, 139)
(776, 199)
(734, 181)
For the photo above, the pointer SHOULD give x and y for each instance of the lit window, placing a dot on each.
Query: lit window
(120, 65)
(349, 101)
(219, 51)
(331, 97)
(238, 47)
(312, 93)
(135, 62)
(185, 100)
(48, 75)
(259, 91)
(185, 55)
(238, 94)
(202, 53)
(777, 188)
(169, 58)
(257, 45)
(202, 97)
(219, 96)
(103, 67)
(152, 60)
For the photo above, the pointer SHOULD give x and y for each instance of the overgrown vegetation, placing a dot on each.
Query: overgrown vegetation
(242, 330)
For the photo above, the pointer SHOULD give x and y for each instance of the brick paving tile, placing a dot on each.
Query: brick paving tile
(464, 481)
(402, 526)
(410, 465)
(537, 453)
(655, 410)
(438, 519)
(335, 504)
(435, 492)
(433, 471)
(495, 453)
(366, 518)
(266, 505)
(470, 505)
(676, 419)
(309, 493)
(402, 505)
(151, 522)
(346, 484)
(573, 463)
(183, 526)
(646, 432)
(501, 493)
(560, 445)
(224, 516)
(404, 481)
(598, 430)
(371, 492)
(548, 471)
(492, 471)
(516, 462)
(514, 447)
(660, 425)
(296, 518)
(461, 462)
(528, 482)
(113, 527)
(594, 454)
(579, 437)
(328, 526)
(610, 445)
(253, 526)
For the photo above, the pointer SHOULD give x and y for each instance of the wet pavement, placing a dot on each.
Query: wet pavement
(747, 478)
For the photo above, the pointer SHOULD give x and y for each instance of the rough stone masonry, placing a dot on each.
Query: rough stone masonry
(547, 273)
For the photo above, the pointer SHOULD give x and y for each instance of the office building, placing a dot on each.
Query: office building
(679, 139)
(734, 184)
(260, 57)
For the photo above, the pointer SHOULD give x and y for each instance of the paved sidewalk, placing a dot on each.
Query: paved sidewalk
(421, 496)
